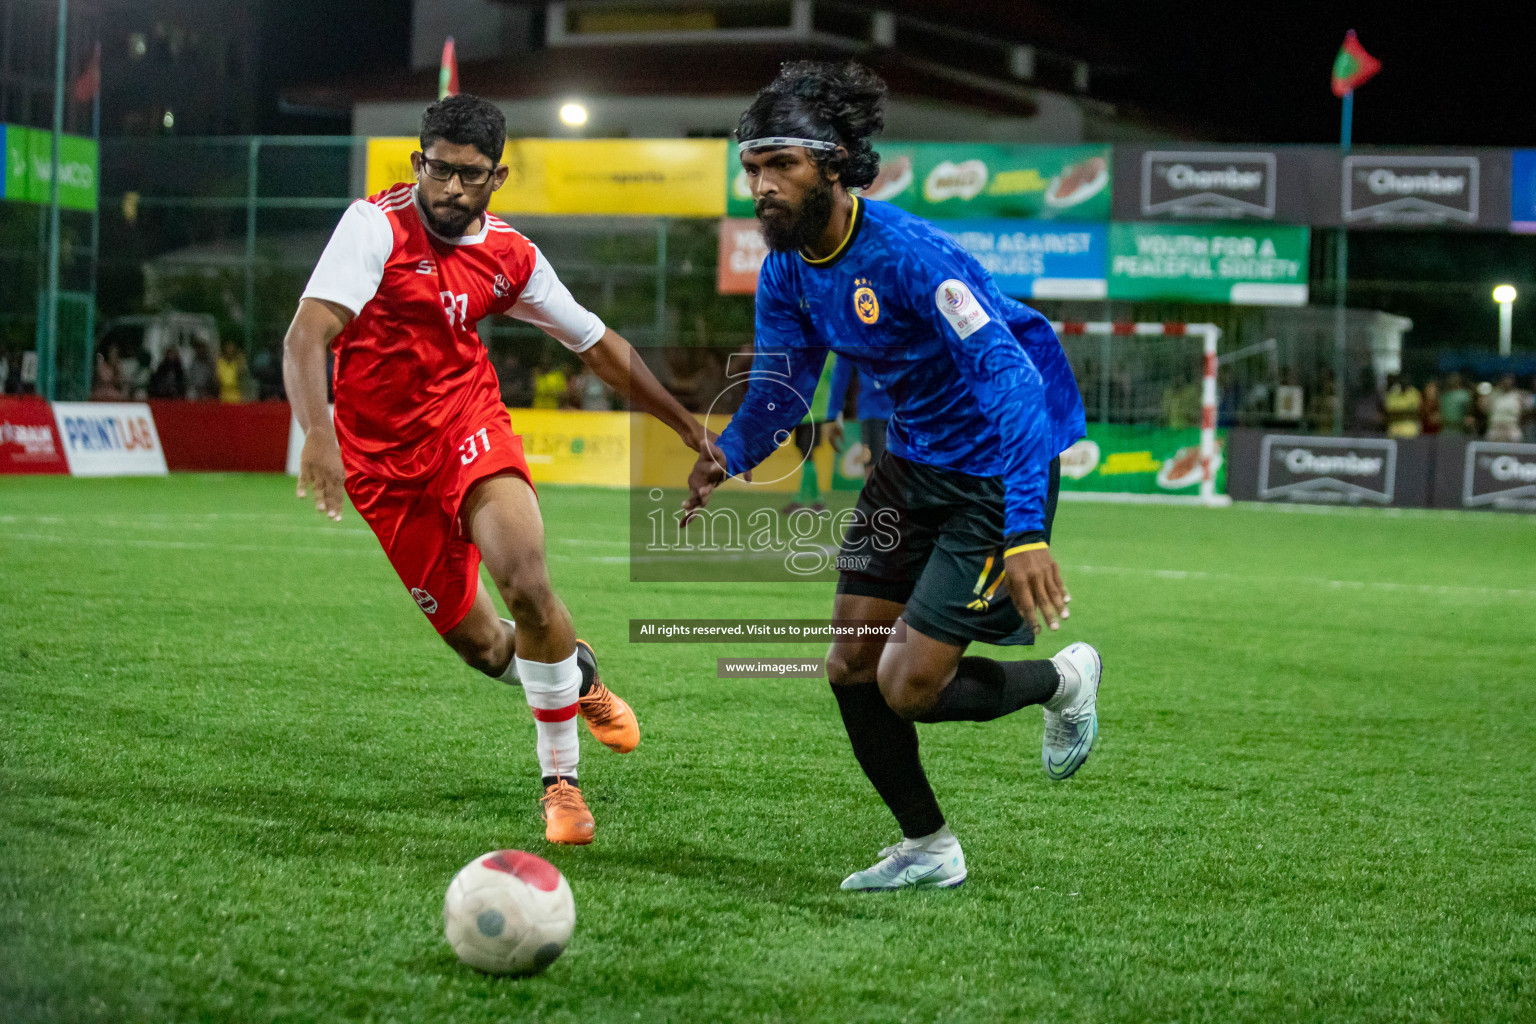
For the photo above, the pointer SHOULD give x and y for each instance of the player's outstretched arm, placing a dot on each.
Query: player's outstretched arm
(615, 361)
(314, 327)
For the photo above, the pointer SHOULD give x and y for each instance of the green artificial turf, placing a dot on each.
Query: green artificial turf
(238, 769)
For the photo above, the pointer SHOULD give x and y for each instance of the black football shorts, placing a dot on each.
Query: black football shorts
(932, 539)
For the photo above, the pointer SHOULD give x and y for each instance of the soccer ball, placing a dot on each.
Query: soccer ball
(509, 912)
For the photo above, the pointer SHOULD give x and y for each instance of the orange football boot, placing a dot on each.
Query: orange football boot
(566, 818)
(610, 719)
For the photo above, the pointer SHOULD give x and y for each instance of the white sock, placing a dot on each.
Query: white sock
(1067, 691)
(552, 691)
(510, 675)
(940, 843)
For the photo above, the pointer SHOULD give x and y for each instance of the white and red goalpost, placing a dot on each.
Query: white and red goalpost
(1209, 334)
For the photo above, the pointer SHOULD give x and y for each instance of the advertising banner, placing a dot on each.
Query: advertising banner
(1038, 261)
(1258, 265)
(612, 177)
(1495, 475)
(952, 180)
(1348, 470)
(1115, 458)
(742, 251)
(1223, 183)
(29, 440)
(565, 446)
(109, 439)
(1424, 188)
(1522, 191)
(29, 165)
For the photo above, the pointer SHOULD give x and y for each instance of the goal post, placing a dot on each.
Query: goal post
(1209, 335)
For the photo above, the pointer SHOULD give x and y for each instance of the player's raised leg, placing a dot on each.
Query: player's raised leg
(885, 745)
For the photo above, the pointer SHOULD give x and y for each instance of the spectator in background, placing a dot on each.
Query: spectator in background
(5, 371)
(106, 383)
(587, 392)
(1401, 405)
(267, 375)
(1453, 405)
(170, 377)
(1320, 406)
(512, 377)
(1430, 420)
(549, 384)
(231, 371)
(1365, 415)
(1506, 407)
(202, 383)
(133, 373)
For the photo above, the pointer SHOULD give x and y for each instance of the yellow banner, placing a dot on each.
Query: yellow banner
(613, 177)
(617, 449)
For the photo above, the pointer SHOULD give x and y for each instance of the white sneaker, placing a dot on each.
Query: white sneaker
(1073, 725)
(903, 868)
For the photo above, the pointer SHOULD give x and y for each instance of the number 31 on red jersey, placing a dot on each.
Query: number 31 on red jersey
(469, 451)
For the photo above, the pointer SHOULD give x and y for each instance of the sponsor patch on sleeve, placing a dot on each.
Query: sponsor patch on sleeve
(960, 308)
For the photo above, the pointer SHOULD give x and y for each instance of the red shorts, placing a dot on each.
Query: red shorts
(418, 523)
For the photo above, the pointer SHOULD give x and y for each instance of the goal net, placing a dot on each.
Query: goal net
(1149, 374)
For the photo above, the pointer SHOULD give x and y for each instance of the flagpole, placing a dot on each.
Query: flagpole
(90, 312)
(47, 361)
(1340, 280)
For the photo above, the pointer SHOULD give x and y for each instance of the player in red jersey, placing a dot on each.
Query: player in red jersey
(422, 444)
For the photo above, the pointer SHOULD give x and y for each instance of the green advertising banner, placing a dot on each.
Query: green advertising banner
(954, 180)
(1139, 460)
(1250, 265)
(29, 159)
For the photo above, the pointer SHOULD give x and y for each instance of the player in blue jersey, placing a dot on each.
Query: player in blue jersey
(983, 403)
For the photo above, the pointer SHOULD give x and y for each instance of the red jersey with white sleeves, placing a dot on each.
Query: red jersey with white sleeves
(410, 367)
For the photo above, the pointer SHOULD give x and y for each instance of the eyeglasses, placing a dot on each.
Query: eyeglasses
(469, 177)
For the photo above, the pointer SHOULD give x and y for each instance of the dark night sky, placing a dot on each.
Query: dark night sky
(1243, 70)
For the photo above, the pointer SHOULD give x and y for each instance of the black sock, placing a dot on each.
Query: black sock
(550, 780)
(984, 689)
(588, 665)
(886, 748)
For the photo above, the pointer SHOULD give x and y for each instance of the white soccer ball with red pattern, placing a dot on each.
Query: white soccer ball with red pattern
(509, 912)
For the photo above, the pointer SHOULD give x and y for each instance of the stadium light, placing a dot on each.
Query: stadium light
(573, 114)
(1504, 295)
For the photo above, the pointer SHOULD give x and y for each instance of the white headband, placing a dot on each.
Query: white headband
(774, 141)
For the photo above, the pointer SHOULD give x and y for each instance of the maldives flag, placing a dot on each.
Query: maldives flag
(1353, 67)
(89, 83)
(448, 75)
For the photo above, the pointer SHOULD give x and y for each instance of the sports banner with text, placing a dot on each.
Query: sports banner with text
(950, 180)
(1038, 261)
(1241, 264)
(28, 155)
(1139, 460)
(612, 177)
(109, 439)
(29, 440)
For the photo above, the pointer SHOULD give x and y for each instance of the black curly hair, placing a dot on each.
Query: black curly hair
(841, 103)
(465, 120)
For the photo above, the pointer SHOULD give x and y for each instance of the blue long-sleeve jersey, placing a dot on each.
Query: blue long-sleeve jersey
(979, 383)
(873, 403)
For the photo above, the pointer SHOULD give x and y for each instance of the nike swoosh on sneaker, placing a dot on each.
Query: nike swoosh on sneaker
(1087, 736)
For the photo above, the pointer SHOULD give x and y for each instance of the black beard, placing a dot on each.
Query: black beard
(799, 228)
(454, 224)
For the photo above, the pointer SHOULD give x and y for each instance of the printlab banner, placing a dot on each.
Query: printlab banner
(1032, 260)
(1255, 265)
(954, 180)
(1137, 460)
(109, 439)
(28, 155)
(614, 177)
